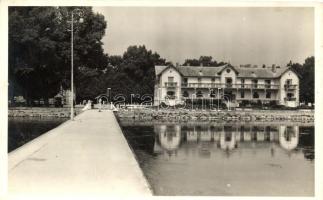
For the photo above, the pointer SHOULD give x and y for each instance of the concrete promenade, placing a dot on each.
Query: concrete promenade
(85, 157)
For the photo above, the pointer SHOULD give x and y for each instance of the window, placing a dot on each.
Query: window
(184, 83)
(242, 94)
(228, 82)
(213, 80)
(199, 94)
(242, 83)
(170, 93)
(289, 82)
(267, 83)
(170, 82)
(255, 83)
(255, 95)
(228, 70)
(185, 94)
(212, 93)
(268, 95)
(290, 97)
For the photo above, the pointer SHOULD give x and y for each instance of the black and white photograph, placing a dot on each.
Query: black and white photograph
(105, 100)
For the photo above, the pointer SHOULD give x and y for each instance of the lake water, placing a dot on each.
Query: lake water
(225, 159)
(23, 130)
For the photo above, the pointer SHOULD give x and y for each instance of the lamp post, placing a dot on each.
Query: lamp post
(109, 94)
(218, 98)
(159, 96)
(72, 59)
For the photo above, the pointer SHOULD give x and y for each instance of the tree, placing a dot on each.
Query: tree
(39, 48)
(139, 65)
(206, 61)
(203, 60)
(191, 62)
(307, 79)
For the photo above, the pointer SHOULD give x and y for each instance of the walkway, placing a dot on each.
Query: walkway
(85, 157)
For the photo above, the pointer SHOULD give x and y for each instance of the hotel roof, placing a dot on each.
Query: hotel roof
(209, 71)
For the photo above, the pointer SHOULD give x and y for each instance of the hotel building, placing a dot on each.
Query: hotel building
(234, 85)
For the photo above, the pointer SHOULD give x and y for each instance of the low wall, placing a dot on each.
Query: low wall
(41, 112)
(199, 115)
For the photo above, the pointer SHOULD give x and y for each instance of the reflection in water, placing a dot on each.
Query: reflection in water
(203, 159)
(227, 138)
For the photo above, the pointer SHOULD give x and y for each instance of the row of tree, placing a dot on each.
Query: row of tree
(40, 55)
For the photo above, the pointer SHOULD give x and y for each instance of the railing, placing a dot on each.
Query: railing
(170, 97)
(226, 85)
(290, 99)
(289, 87)
(255, 85)
(170, 84)
(255, 99)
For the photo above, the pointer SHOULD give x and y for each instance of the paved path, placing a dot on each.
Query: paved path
(87, 156)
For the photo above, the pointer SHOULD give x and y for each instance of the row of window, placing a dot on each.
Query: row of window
(199, 93)
(227, 80)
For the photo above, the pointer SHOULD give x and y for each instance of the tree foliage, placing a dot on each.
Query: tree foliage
(40, 48)
(307, 79)
(134, 73)
(203, 61)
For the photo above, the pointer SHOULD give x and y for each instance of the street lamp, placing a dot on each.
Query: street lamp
(218, 98)
(131, 96)
(79, 13)
(159, 96)
(109, 94)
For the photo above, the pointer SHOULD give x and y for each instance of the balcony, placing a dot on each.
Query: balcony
(290, 99)
(230, 85)
(171, 97)
(255, 85)
(170, 84)
(290, 87)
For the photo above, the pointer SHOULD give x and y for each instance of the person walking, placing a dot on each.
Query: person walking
(100, 104)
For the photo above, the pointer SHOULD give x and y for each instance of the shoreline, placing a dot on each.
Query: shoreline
(177, 115)
(144, 115)
(41, 112)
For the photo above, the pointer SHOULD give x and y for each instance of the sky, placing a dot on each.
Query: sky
(239, 35)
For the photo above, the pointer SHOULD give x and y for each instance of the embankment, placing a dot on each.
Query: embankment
(41, 112)
(306, 116)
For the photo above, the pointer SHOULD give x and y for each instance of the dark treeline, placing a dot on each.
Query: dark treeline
(40, 48)
(306, 71)
(203, 61)
(131, 73)
(40, 58)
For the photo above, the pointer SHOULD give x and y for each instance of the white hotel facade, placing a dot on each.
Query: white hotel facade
(175, 84)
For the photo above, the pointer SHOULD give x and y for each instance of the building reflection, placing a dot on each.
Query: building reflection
(227, 138)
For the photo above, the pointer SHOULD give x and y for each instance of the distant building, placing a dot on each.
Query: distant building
(174, 85)
(64, 96)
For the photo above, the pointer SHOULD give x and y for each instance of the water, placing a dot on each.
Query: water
(212, 159)
(23, 130)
